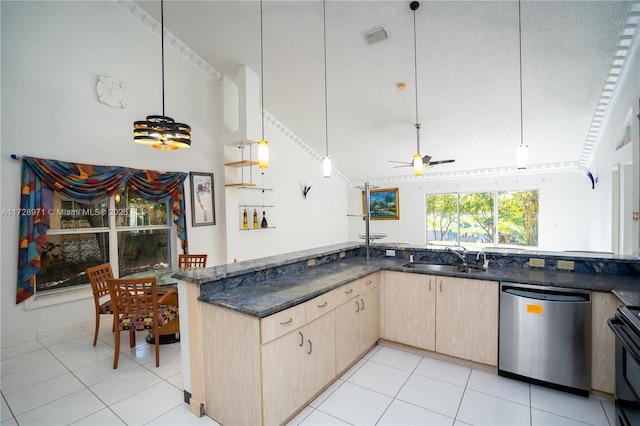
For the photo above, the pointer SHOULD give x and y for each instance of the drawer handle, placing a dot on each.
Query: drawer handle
(348, 291)
(362, 309)
(323, 305)
(440, 286)
(310, 347)
(357, 306)
(287, 322)
(301, 338)
(369, 282)
(429, 285)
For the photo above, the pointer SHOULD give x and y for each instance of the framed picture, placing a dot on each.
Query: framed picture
(203, 211)
(384, 204)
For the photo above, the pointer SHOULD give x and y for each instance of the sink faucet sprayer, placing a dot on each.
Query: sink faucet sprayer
(485, 264)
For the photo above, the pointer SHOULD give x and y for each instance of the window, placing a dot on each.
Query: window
(481, 219)
(131, 233)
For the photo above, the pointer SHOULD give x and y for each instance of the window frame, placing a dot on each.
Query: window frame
(496, 219)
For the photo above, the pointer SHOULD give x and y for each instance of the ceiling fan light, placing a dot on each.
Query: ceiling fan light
(263, 154)
(326, 167)
(417, 165)
(522, 156)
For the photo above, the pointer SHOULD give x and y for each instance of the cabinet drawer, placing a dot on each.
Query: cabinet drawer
(282, 322)
(368, 282)
(321, 305)
(346, 292)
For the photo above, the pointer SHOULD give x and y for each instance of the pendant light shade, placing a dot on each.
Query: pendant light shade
(522, 157)
(417, 164)
(263, 154)
(326, 167)
(263, 145)
(160, 131)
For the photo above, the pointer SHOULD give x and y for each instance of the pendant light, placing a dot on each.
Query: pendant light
(326, 161)
(522, 151)
(417, 158)
(263, 145)
(160, 131)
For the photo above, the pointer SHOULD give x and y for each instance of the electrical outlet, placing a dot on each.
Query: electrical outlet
(311, 262)
(569, 265)
(342, 254)
(536, 262)
(390, 252)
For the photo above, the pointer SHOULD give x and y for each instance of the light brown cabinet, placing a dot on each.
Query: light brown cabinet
(408, 309)
(357, 325)
(296, 366)
(467, 319)
(453, 316)
(603, 307)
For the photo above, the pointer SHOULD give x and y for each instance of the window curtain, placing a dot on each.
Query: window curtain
(82, 183)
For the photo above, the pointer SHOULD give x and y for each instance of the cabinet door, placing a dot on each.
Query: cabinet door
(407, 309)
(296, 366)
(357, 327)
(467, 319)
(283, 381)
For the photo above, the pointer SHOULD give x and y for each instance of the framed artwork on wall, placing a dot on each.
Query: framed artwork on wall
(384, 204)
(203, 211)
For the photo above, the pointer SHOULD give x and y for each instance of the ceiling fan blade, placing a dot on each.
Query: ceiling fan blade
(401, 162)
(404, 165)
(434, 163)
(426, 159)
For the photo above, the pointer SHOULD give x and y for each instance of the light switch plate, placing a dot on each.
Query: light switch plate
(311, 262)
(342, 254)
(390, 252)
(536, 262)
(569, 265)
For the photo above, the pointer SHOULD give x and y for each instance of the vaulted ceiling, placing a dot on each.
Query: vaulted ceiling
(468, 63)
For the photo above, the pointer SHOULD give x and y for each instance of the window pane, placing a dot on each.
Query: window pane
(66, 257)
(518, 217)
(142, 250)
(69, 214)
(476, 218)
(134, 211)
(442, 218)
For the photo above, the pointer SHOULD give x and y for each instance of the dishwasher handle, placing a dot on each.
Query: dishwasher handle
(548, 295)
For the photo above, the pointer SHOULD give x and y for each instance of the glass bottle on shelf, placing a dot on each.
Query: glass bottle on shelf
(255, 218)
(264, 221)
(245, 220)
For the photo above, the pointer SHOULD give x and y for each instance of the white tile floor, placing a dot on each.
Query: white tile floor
(63, 379)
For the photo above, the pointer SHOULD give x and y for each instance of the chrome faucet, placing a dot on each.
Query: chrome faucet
(485, 263)
(460, 254)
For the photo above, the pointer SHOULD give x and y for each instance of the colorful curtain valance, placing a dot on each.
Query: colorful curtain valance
(83, 183)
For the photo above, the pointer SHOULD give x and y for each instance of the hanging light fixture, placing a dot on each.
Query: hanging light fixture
(160, 131)
(522, 153)
(326, 161)
(263, 145)
(417, 158)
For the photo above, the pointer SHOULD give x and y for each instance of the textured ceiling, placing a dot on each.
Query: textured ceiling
(468, 74)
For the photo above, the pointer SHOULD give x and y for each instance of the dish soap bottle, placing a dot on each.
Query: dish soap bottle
(264, 223)
(255, 218)
(245, 220)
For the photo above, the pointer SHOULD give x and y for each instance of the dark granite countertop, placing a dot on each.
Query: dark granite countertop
(628, 297)
(263, 297)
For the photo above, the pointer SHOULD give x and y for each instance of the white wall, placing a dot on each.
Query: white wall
(563, 198)
(52, 54)
(606, 159)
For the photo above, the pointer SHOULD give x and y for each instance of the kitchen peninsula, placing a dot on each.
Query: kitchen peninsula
(267, 335)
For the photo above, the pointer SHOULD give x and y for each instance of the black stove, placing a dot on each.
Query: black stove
(626, 327)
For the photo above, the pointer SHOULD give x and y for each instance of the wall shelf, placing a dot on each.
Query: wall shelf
(241, 185)
(242, 163)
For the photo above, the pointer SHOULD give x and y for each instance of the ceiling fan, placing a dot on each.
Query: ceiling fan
(426, 160)
(419, 162)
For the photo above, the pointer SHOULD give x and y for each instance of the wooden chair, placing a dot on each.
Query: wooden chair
(136, 307)
(98, 276)
(192, 261)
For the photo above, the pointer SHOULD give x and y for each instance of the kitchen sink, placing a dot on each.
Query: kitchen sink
(443, 268)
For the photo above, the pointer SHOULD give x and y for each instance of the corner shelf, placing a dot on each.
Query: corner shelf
(241, 185)
(242, 163)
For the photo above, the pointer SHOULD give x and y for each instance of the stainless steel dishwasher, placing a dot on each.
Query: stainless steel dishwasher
(545, 336)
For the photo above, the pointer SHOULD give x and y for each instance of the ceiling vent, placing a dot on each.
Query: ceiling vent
(374, 35)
